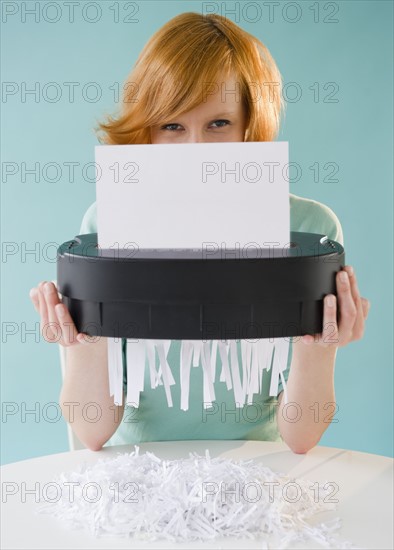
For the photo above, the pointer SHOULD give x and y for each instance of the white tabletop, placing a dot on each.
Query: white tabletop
(365, 495)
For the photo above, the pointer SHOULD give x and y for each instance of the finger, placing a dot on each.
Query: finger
(74, 337)
(58, 293)
(347, 308)
(35, 299)
(330, 332)
(308, 339)
(52, 298)
(83, 338)
(366, 304)
(69, 331)
(59, 317)
(46, 331)
(358, 327)
(70, 335)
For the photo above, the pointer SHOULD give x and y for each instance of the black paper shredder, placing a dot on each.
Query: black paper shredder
(199, 294)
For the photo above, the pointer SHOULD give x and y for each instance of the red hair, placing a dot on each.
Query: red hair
(182, 63)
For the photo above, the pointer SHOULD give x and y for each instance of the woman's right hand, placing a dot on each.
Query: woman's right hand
(57, 325)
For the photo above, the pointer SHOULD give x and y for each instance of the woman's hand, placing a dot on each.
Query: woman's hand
(57, 325)
(353, 311)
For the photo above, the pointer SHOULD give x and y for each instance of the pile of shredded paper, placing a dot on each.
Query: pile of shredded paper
(199, 498)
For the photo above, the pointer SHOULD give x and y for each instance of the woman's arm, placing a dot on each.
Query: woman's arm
(86, 381)
(311, 378)
(311, 396)
(84, 399)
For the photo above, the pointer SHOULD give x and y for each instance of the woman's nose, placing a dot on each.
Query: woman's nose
(195, 136)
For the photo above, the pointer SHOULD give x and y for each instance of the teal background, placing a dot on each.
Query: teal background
(355, 133)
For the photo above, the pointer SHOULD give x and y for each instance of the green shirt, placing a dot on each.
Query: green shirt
(153, 420)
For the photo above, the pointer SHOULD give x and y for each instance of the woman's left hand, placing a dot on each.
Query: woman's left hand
(353, 311)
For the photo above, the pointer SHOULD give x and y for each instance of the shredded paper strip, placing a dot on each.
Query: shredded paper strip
(256, 357)
(197, 498)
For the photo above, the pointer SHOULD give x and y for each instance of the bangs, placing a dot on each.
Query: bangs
(180, 82)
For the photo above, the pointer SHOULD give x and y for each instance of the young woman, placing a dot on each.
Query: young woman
(201, 78)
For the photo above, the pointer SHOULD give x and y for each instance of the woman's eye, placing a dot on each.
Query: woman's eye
(169, 127)
(221, 125)
(173, 127)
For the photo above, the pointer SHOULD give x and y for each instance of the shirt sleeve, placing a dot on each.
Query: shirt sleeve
(324, 220)
(89, 221)
(314, 217)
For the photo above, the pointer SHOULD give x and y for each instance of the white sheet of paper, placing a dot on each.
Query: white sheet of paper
(193, 195)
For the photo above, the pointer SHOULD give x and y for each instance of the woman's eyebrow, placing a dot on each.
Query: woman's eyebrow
(223, 113)
(210, 117)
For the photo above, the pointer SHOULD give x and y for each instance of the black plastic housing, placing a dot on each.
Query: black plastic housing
(199, 294)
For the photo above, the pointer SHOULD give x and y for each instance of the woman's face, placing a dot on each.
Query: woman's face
(220, 117)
